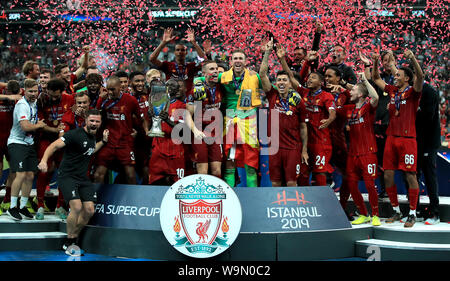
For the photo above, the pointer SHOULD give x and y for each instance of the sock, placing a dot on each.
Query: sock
(23, 202)
(60, 202)
(413, 212)
(373, 196)
(7, 197)
(252, 177)
(41, 183)
(321, 180)
(396, 209)
(13, 202)
(229, 177)
(392, 193)
(413, 197)
(357, 197)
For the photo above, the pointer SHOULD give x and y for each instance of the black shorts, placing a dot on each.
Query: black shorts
(23, 158)
(73, 188)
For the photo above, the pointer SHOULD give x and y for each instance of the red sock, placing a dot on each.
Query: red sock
(373, 196)
(392, 193)
(60, 202)
(344, 193)
(321, 179)
(357, 197)
(413, 197)
(41, 183)
(7, 197)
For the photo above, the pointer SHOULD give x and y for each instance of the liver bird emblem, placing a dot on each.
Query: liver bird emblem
(201, 230)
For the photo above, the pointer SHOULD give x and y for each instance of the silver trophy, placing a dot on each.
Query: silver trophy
(159, 102)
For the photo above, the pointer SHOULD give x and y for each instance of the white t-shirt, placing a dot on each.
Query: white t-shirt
(23, 111)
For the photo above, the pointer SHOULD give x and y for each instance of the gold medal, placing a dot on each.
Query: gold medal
(289, 112)
(238, 92)
(396, 112)
(55, 122)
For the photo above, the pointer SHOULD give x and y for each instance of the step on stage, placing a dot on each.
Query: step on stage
(272, 230)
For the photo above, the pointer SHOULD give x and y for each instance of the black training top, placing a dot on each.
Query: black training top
(78, 152)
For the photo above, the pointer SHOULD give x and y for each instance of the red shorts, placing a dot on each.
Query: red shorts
(4, 149)
(161, 166)
(362, 166)
(400, 153)
(206, 153)
(319, 158)
(287, 161)
(106, 155)
(243, 154)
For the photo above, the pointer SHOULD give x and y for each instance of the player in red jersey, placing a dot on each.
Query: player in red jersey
(320, 113)
(207, 98)
(74, 118)
(167, 162)
(8, 97)
(178, 69)
(292, 131)
(333, 79)
(362, 158)
(62, 71)
(118, 111)
(400, 152)
(124, 81)
(142, 142)
(95, 89)
(51, 108)
(44, 77)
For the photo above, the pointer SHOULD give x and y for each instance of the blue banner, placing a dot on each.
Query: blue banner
(265, 209)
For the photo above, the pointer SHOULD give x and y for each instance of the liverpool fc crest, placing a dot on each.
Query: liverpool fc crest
(201, 216)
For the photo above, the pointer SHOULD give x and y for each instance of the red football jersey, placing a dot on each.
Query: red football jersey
(289, 119)
(211, 103)
(165, 144)
(71, 121)
(53, 113)
(317, 106)
(185, 72)
(338, 125)
(362, 136)
(402, 111)
(118, 118)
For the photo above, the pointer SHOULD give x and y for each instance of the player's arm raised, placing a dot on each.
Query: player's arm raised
(167, 37)
(376, 78)
(418, 73)
(268, 48)
(281, 54)
(372, 92)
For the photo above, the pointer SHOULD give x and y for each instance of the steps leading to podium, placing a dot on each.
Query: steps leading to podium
(31, 235)
(395, 243)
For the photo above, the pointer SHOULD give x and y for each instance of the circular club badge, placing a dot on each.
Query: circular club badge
(201, 216)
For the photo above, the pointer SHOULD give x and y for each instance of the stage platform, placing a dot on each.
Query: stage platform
(385, 243)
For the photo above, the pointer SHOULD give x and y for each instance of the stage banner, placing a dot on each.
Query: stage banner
(128, 206)
(264, 209)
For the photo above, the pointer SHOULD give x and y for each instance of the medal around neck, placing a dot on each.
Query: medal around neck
(159, 101)
(201, 216)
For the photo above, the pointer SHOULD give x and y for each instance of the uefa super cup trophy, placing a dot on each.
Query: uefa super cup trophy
(159, 102)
